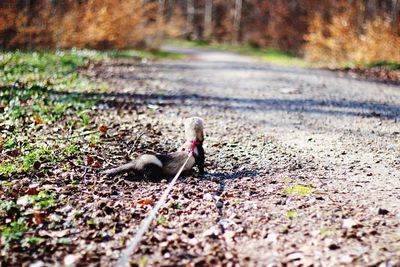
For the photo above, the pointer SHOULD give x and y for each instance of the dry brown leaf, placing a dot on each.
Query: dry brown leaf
(32, 190)
(38, 120)
(96, 164)
(14, 152)
(89, 160)
(145, 201)
(38, 217)
(58, 234)
(103, 129)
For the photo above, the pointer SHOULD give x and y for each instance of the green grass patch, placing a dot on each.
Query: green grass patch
(40, 91)
(298, 190)
(43, 200)
(286, 180)
(56, 70)
(45, 69)
(30, 158)
(7, 169)
(384, 64)
(64, 241)
(269, 55)
(71, 150)
(37, 105)
(93, 139)
(326, 232)
(143, 261)
(14, 231)
(161, 220)
(6, 187)
(38, 155)
(145, 54)
(32, 241)
(291, 214)
(177, 206)
(7, 206)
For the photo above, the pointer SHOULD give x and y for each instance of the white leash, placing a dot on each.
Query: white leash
(134, 242)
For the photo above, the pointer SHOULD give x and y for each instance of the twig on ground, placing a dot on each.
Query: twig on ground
(136, 142)
(66, 137)
(78, 135)
(84, 173)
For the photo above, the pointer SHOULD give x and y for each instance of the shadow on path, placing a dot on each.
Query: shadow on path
(323, 107)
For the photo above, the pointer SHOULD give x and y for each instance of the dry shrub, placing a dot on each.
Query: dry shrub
(115, 24)
(100, 24)
(286, 25)
(378, 42)
(343, 41)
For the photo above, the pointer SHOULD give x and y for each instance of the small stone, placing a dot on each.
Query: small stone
(295, 256)
(272, 237)
(208, 197)
(219, 204)
(70, 260)
(350, 223)
(37, 264)
(383, 211)
(333, 247)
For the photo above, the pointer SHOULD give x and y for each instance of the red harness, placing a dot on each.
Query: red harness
(193, 146)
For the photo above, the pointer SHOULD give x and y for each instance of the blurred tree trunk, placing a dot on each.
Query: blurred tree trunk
(190, 19)
(236, 21)
(160, 24)
(27, 8)
(372, 7)
(208, 19)
(170, 10)
(395, 16)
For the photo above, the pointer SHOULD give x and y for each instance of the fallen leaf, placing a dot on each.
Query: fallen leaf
(89, 160)
(350, 223)
(58, 234)
(38, 217)
(33, 189)
(145, 201)
(36, 165)
(38, 120)
(96, 164)
(14, 152)
(229, 195)
(103, 129)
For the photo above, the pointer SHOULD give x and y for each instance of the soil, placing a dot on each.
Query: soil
(303, 167)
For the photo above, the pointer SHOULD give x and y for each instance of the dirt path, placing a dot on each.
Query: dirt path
(304, 167)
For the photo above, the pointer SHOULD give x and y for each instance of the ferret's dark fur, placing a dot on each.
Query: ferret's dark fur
(160, 166)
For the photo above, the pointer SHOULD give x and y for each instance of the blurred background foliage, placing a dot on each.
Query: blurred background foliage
(331, 32)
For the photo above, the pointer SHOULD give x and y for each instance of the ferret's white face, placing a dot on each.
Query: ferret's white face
(194, 129)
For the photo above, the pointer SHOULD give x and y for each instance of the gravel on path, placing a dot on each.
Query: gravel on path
(303, 165)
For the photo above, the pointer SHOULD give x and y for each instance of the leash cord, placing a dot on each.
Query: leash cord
(134, 242)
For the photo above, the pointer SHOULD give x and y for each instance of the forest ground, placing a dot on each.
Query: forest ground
(303, 168)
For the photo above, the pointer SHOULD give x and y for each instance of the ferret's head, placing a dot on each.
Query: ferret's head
(194, 129)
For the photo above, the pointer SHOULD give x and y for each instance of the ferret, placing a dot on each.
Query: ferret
(155, 167)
